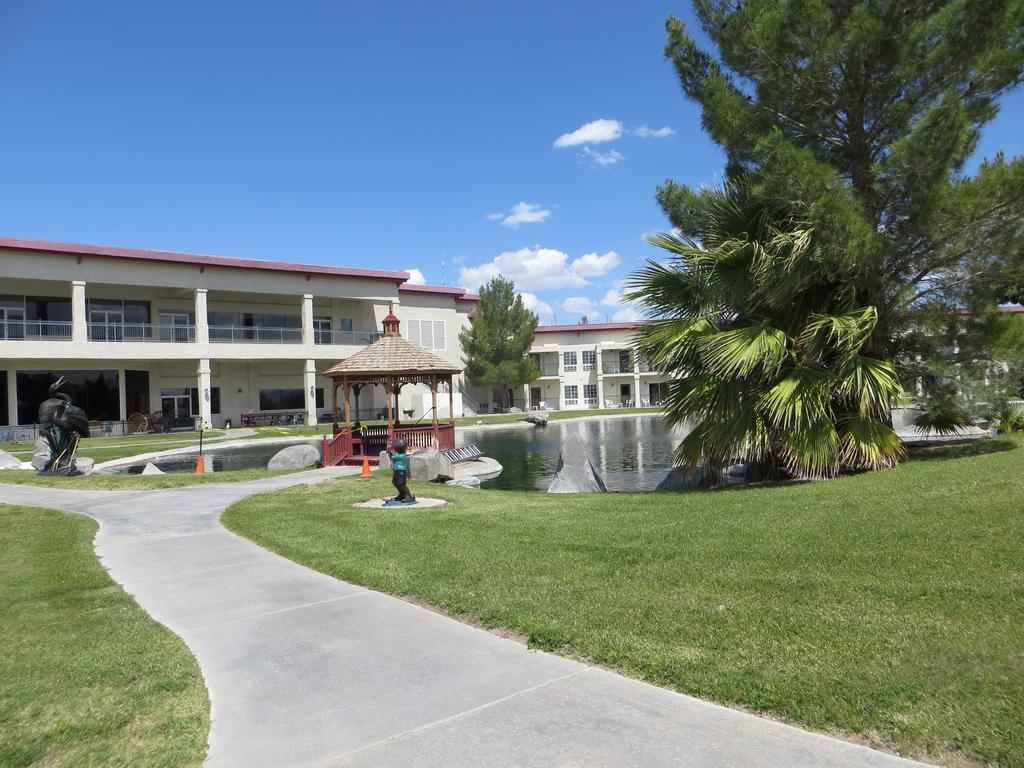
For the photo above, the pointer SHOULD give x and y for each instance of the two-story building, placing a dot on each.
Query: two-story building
(179, 335)
(590, 366)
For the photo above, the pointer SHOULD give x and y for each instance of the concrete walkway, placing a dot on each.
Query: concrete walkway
(305, 670)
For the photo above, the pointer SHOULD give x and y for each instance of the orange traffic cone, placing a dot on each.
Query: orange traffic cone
(200, 467)
(366, 468)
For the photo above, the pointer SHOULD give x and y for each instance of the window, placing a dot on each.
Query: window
(658, 392)
(176, 325)
(429, 334)
(321, 330)
(571, 393)
(94, 391)
(288, 399)
(589, 361)
(590, 392)
(569, 361)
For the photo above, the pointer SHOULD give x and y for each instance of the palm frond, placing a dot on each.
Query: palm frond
(872, 385)
(803, 396)
(844, 333)
(941, 415)
(811, 450)
(868, 444)
(741, 351)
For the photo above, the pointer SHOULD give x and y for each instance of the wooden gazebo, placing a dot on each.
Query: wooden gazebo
(390, 362)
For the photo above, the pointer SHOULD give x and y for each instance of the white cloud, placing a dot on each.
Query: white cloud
(541, 269)
(603, 159)
(534, 304)
(578, 305)
(652, 133)
(521, 213)
(592, 133)
(529, 268)
(626, 315)
(612, 299)
(594, 265)
(416, 277)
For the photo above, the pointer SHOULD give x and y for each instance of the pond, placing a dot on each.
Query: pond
(632, 453)
(251, 456)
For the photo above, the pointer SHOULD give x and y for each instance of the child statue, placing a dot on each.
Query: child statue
(400, 473)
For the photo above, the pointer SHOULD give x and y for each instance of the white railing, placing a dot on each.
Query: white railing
(234, 334)
(569, 368)
(35, 330)
(352, 338)
(616, 368)
(174, 334)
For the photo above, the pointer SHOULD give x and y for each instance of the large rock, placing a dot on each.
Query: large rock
(468, 481)
(9, 462)
(682, 479)
(384, 462)
(42, 454)
(430, 465)
(576, 473)
(295, 457)
(539, 419)
(152, 469)
(84, 464)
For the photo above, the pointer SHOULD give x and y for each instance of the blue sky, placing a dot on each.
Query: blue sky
(372, 134)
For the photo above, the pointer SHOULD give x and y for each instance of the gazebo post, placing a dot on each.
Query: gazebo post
(357, 388)
(451, 403)
(348, 421)
(388, 389)
(334, 405)
(433, 408)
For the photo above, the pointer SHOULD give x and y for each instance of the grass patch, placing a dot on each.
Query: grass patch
(889, 604)
(101, 482)
(88, 679)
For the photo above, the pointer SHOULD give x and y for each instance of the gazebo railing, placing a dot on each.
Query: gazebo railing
(373, 439)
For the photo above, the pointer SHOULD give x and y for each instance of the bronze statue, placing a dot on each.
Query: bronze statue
(399, 477)
(61, 425)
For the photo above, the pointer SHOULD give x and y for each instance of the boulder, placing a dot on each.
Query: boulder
(9, 462)
(384, 461)
(468, 481)
(514, 409)
(424, 465)
(576, 473)
(537, 419)
(84, 464)
(42, 454)
(682, 479)
(152, 469)
(295, 457)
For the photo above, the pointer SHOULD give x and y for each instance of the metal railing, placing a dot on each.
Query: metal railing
(35, 330)
(545, 404)
(618, 401)
(548, 369)
(175, 334)
(469, 400)
(353, 338)
(235, 334)
(616, 368)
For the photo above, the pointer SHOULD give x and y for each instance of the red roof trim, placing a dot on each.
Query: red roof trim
(410, 288)
(171, 257)
(588, 327)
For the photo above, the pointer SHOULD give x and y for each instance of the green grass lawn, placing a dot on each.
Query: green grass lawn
(107, 448)
(888, 605)
(87, 678)
(136, 482)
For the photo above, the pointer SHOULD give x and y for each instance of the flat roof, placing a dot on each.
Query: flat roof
(196, 259)
(587, 327)
(459, 294)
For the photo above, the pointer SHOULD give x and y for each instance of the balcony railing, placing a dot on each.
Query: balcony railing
(353, 338)
(174, 334)
(233, 334)
(617, 368)
(548, 369)
(35, 330)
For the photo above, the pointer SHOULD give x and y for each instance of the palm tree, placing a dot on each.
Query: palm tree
(760, 332)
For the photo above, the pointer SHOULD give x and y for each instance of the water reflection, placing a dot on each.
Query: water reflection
(632, 453)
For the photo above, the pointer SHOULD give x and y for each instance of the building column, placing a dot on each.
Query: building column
(79, 326)
(307, 318)
(600, 391)
(309, 387)
(12, 396)
(202, 317)
(204, 393)
(526, 397)
(122, 396)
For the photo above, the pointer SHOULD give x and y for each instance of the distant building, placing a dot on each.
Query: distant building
(590, 365)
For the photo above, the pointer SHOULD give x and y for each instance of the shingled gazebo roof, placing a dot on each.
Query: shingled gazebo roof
(391, 355)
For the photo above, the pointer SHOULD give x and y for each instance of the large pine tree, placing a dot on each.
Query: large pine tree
(865, 114)
(498, 340)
